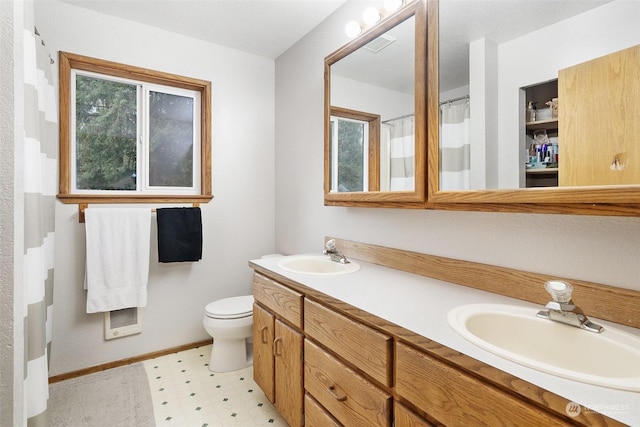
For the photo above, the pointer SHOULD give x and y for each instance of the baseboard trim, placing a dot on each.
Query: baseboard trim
(127, 361)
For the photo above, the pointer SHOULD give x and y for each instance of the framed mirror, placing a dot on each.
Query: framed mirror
(375, 114)
(520, 128)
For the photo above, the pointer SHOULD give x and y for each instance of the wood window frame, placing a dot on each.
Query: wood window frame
(67, 62)
(373, 121)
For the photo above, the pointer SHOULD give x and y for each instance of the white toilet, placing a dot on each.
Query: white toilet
(230, 322)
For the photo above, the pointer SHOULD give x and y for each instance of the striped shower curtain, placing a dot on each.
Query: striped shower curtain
(398, 136)
(40, 152)
(455, 162)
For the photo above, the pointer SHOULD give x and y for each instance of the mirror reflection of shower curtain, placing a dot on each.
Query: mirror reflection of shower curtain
(454, 146)
(397, 155)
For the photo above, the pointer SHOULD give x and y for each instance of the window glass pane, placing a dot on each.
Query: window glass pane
(106, 134)
(171, 133)
(351, 155)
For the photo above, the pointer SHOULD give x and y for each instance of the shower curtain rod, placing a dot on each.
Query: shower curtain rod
(399, 118)
(448, 101)
(460, 98)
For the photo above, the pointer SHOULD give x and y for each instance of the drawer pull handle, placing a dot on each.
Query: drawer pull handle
(276, 348)
(263, 334)
(339, 398)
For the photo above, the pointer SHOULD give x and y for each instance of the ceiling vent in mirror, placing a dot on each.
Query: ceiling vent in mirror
(379, 43)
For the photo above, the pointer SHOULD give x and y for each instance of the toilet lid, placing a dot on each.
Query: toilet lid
(230, 308)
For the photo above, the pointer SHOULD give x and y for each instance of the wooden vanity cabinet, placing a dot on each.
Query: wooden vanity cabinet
(357, 374)
(278, 347)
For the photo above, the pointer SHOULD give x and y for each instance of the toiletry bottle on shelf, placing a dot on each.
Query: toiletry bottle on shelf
(532, 112)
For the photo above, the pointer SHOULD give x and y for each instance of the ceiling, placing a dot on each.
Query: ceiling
(263, 27)
(269, 27)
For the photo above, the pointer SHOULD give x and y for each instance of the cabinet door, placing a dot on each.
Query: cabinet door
(263, 364)
(287, 349)
(599, 126)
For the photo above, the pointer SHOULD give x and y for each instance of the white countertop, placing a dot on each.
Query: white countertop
(420, 304)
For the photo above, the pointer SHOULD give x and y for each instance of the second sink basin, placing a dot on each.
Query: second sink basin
(316, 265)
(610, 359)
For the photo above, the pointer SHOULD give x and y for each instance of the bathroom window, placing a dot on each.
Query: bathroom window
(354, 137)
(131, 133)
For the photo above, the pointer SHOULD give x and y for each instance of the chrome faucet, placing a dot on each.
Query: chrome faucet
(563, 310)
(330, 249)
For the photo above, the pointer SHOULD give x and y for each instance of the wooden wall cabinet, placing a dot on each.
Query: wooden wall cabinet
(599, 145)
(278, 347)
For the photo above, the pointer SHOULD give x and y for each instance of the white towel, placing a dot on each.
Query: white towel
(117, 271)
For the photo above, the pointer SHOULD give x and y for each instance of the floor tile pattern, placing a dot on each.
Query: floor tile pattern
(186, 393)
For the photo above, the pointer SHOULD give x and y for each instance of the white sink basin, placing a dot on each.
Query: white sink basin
(609, 359)
(316, 265)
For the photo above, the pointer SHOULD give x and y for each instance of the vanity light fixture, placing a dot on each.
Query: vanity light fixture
(352, 29)
(372, 16)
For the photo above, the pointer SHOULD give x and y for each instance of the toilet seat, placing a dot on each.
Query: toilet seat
(230, 308)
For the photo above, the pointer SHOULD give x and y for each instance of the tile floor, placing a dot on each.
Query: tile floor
(185, 393)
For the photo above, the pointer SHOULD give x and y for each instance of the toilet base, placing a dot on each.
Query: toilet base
(231, 355)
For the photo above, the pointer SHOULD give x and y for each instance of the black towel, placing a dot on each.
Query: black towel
(179, 234)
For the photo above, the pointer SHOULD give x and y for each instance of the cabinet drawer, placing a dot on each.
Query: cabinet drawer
(454, 398)
(350, 398)
(360, 345)
(284, 302)
(316, 416)
(404, 417)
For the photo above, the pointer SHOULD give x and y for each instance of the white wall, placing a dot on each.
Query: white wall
(599, 249)
(238, 223)
(354, 95)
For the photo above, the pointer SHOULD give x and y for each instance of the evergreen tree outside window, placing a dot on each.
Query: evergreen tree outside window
(354, 157)
(133, 136)
(350, 138)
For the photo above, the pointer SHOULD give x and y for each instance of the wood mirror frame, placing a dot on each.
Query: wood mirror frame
(621, 200)
(396, 199)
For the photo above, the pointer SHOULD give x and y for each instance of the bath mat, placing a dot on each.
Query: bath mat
(114, 397)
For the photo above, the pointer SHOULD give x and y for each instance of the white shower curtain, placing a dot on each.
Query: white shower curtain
(454, 146)
(398, 145)
(40, 183)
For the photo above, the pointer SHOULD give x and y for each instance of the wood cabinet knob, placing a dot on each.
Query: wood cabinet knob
(334, 392)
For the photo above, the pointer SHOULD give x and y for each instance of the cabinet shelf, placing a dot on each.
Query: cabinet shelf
(542, 170)
(542, 124)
